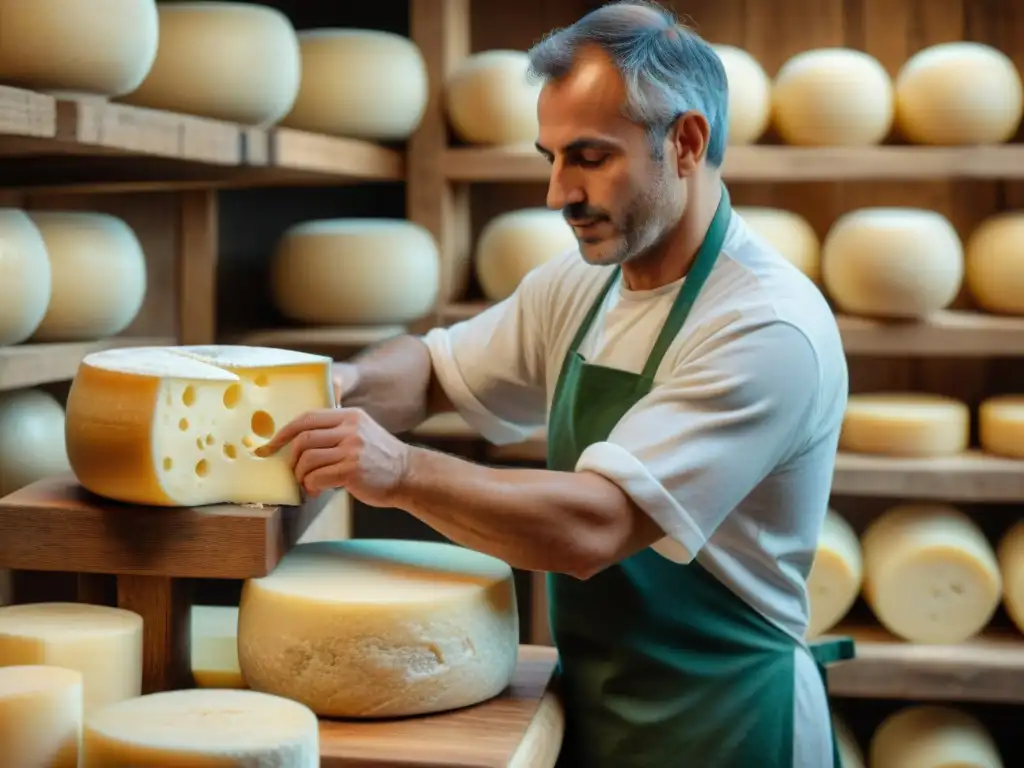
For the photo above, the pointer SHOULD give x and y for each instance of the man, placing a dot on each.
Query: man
(692, 383)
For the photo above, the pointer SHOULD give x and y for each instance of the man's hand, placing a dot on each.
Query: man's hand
(345, 377)
(343, 448)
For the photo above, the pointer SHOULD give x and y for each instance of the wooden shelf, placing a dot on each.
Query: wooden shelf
(29, 365)
(320, 338)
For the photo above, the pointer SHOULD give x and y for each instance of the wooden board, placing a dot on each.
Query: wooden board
(56, 525)
(521, 728)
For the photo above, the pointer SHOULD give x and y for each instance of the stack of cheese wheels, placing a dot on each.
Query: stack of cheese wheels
(215, 647)
(835, 578)
(832, 96)
(178, 426)
(406, 627)
(490, 100)
(930, 575)
(994, 261)
(385, 102)
(789, 233)
(514, 243)
(933, 737)
(355, 272)
(40, 716)
(959, 93)
(202, 728)
(228, 61)
(850, 752)
(1011, 565)
(104, 644)
(1001, 426)
(101, 48)
(905, 425)
(892, 262)
(31, 438)
(25, 276)
(750, 94)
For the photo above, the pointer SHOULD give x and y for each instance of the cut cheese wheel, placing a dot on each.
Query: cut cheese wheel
(1001, 426)
(67, 47)
(892, 262)
(99, 275)
(40, 717)
(835, 577)
(750, 94)
(103, 643)
(933, 737)
(31, 439)
(202, 729)
(930, 575)
(850, 753)
(994, 264)
(489, 99)
(788, 233)
(356, 272)
(514, 243)
(228, 61)
(384, 103)
(906, 425)
(959, 93)
(1011, 565)
(215, 647)
(25, 277)
(379, 628)
(178, 426)
(833, 97)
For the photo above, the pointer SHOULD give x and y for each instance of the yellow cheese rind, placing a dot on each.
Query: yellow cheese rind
(905, 425)
(25, 276)
(104, 644)
(930, 575)
(789, 233)
(489, 100)
(836, 575)
(40, 717)
(380, 628)
(995, 264)
(514, 243)
(215, 647)
(750, 94)
(933, 737)
(202, 729)
(31, 438)
(1010, 554)
(1001, 426)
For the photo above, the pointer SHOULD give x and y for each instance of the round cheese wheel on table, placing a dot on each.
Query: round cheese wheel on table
(892, 262)
(789, 233)
(380, 628)
(907, 425)
(355, 272)
(959, 93)
(1001, 426)
(489, 100)
(994, 264)
(32, 445)
(208, 728)
(850, 753)
(835, 578)
(930, 575)
(1010, 554)
(215, 647)
(933, 737)
(514, 243)
(40, 717)
(227, 61)
(25, 277)
(750, 94)
(832, 97)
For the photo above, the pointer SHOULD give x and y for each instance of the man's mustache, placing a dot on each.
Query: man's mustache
(583, 212)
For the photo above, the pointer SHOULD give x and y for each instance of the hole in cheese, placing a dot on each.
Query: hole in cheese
(248, 441)
(183, 424)
(230, 451)
(263, 424)
(232, 396)
(168, 463)
(200, 444)
(188, 397)
(260, 381)
(202, 468)
(210, 440)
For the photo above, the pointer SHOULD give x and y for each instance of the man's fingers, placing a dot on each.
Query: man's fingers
(338, 388)
(322, 419)
(312, 459)
(328, 477)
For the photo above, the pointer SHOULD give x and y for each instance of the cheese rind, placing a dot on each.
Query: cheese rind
(750, 94)
(25, 277)
(215, 647)
(31, 438)
(202, 729)
(514, 243)
(380, 628)
(40, 717)
(1010, 554)
(104, 644)
(836, 575)
(905, 425)
(933, 737)
(995, 264)
(489, 100)
(789, 233)
(1001, 426)
(930, 575)
(178, 426)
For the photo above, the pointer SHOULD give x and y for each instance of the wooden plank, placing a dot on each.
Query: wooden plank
(320, 338)
(26, 114)
(291, 153)
(198, 251)
(29, 365)
(166, 609)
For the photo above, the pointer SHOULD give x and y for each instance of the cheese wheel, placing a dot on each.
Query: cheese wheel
(933, 737)
(31, 438)
(906, 425)
(25, 278)
(379, 628)
(1010, 554)
(179, 426)
(356, 272)
(930, 575)
(202, 729)
(835, 578)
(215, 647)
(227, 61)
(514, 243)
(71, 48)
(788, 233)
(384, 103)
(892, 262)
(994, 264)
(850, 753)
(99, 275)
(104, 644)
(833, 97)
(959, 93)
(40, 716)
(489, 100)
(1001, 426)
(750, 94)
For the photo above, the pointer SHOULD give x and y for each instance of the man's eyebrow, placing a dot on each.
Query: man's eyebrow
(579, 145)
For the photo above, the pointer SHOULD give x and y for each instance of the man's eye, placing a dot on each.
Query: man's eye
(592, 160)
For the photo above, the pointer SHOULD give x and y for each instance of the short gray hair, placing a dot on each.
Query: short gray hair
(667, 68)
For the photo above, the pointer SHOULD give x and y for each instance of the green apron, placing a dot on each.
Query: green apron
(660, 664)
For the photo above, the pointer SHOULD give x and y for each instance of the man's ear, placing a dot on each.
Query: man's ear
(690, 135)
